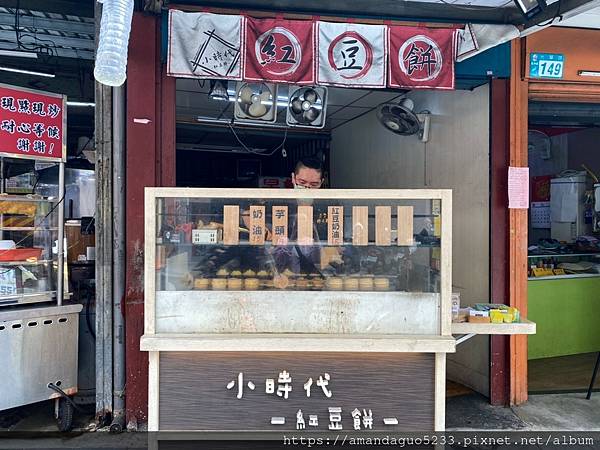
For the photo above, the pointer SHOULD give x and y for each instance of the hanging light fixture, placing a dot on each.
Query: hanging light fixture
(530, 8)
(218, 90)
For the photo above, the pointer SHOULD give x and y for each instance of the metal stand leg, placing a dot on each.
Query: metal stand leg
(589, 394)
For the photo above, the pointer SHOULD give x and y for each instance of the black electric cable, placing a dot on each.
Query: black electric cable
(556, 16)
(475, 8)
(249, 150)
(55, 388)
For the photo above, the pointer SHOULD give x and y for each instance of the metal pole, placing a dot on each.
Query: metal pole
(61, 233)
(118, 258)
(104, 262)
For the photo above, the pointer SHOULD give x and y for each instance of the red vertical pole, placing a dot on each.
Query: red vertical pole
(499, 157)
(150, 161)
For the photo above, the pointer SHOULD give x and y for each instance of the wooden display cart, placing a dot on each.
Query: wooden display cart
(233, 347)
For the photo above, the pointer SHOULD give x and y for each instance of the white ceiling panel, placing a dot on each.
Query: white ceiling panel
(349, 112)
(589, 19)
(488, 3)
(341, 96)
(377, 97)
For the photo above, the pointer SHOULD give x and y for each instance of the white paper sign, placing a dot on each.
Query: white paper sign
(518, 187)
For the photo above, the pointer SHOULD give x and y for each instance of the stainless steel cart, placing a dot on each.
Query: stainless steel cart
(38, 334)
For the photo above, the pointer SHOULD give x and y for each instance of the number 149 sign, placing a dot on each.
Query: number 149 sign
(546, 65)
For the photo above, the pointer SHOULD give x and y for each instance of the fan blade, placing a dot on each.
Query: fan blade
(245, 94)
(265, 97)
(257, 109)
(311, 115)
(391, 124)
(310, 95)
(296, 106)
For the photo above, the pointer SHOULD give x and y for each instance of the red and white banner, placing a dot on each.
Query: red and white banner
(279, 50)
(203, 45)
(32, 124)
(421, 57)
(351, 54)
(234, 47)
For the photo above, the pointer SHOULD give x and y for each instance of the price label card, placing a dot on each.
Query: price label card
(360, 225)
(280, 225)
(257, 225)
(383, 225)
(405, 225)
(546, 65)
(231, 224)
(305, 225)
(335, 225)
(8, 281)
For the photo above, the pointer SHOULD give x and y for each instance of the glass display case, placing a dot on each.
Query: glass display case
(548, 266)
(291, 261)
(249, 282)
(28, 265)
(30, 237)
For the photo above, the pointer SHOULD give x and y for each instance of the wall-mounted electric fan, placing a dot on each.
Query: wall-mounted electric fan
(306, 107)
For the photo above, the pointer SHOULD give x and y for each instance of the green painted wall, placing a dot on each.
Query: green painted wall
(567, 314)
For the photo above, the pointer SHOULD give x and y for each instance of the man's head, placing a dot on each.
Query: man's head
(308, 174)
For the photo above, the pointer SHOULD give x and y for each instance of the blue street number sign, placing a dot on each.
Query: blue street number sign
(546, 65)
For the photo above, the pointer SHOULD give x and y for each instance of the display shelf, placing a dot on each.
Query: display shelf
(565, 277)
(553, 255)
(522, 327)
(316, 242)
(25, 198)
(17, 299)
(248, 342)
(39, 262)
(28, 228)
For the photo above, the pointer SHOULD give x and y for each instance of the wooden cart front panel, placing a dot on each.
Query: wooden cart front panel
(193, 392)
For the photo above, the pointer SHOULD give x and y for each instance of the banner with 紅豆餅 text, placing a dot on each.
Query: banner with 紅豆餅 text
(307, 52)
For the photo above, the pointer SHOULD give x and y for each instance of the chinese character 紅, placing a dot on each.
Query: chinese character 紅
(268, 49)
(38, 109)
(240, 384)
(335, 418)
(323, 382)
(288, 49)
(300, 425)
(8, 103)
(284, 384)
(24, 106)
(8, 126)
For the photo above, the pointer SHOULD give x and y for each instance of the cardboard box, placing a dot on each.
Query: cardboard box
(479, 319)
